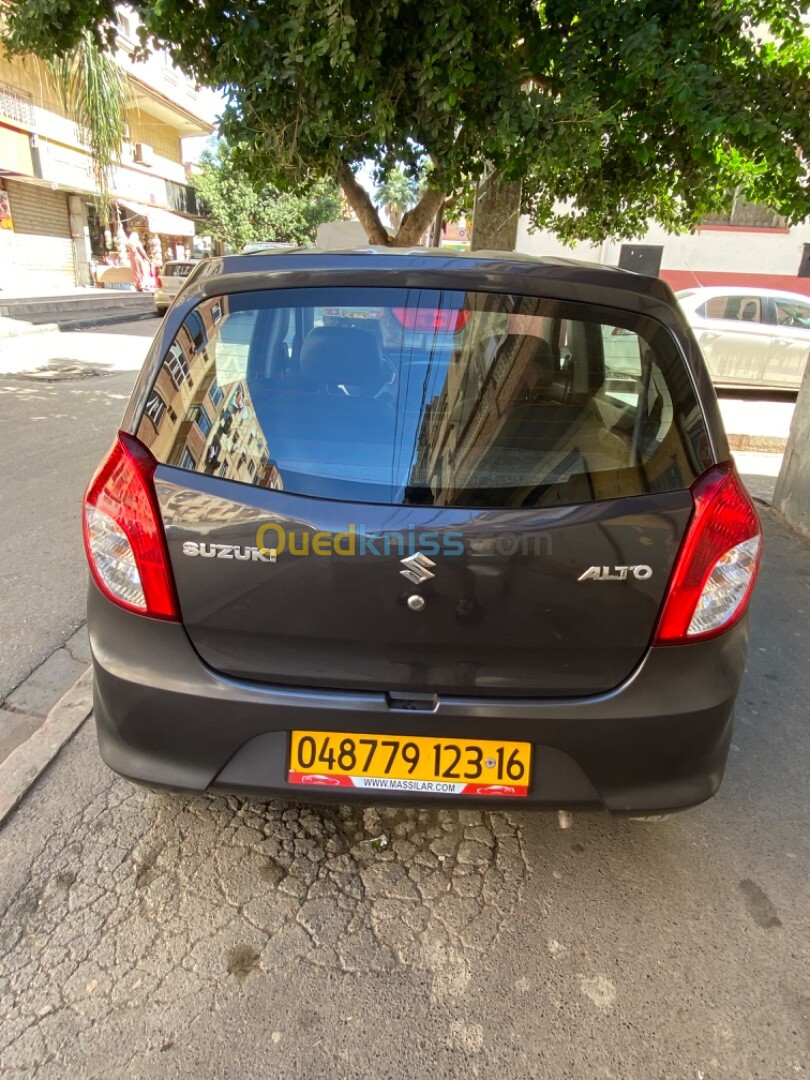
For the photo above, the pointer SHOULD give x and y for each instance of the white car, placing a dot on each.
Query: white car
(170, 281)
(750, 337)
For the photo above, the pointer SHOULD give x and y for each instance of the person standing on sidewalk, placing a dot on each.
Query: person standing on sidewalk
(139, 261)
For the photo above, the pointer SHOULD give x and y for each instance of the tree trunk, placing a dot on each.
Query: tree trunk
(496, 213)
(360, 201)
(414, 223)
(792, 495)
(418, 220)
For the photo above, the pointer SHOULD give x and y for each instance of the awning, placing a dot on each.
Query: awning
(161, 221)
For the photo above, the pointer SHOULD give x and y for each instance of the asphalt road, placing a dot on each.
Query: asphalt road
(53, 433)
(164, 936)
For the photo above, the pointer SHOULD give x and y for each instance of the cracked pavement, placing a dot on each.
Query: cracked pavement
(151, 935)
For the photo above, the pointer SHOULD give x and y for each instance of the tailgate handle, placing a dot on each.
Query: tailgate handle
(412, 702)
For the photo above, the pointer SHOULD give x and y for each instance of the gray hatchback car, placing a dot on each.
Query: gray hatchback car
(405, 526)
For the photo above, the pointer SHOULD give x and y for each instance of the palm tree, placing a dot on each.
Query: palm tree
(396, 194)
(94, 93)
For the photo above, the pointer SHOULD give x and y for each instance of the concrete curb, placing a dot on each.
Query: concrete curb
(71, 324)
(105, 320)
(26, 764)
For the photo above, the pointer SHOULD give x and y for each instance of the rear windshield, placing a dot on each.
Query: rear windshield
(425, 396)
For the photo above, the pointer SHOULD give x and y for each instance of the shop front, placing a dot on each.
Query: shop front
(163, 234)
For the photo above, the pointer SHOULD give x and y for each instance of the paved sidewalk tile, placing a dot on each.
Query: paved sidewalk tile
(15, 728)
(78, 645)
(46, 684)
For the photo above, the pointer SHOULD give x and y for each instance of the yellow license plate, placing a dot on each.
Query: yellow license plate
(410, 763)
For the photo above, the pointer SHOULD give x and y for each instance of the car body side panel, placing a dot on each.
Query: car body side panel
(789, 356)
(735, 353)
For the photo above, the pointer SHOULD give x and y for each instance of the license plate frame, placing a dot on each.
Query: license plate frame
(409, 764)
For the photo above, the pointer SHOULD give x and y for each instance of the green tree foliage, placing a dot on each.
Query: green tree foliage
(609, 111)
(94, 93)
(397, 193)
(240, 210)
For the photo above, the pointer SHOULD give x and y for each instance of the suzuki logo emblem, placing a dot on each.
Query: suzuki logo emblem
(418, 568)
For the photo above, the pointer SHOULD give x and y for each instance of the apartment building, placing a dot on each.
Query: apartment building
(51, 234)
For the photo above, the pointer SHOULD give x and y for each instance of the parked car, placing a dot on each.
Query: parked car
(330, 563)
(750, 337)
(170, 281)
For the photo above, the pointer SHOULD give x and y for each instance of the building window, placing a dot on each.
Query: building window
(202, 420)
(177, 365)
(187, 461)
(804, 265)
(251, 468)
(216, 394)
(182, 198)
(155, 408)
(196, 329)
(17, 106)
(746, 214)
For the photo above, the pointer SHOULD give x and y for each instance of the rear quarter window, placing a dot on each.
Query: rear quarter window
(415, 396)
(734, 308)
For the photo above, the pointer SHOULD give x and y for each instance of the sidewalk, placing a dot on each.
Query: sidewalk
(23, 314)
(54, 354)
(25, 709)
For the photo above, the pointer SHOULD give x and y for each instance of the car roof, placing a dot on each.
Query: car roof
(704, 292)
(476, 264)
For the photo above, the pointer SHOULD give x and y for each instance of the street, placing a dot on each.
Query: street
(52, 436)
(152, 935)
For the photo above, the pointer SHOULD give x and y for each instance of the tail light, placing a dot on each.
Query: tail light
(445, 320)
(158, 281)
(123, 534)
(717, 564)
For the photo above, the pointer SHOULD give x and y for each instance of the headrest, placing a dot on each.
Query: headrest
(342, 355)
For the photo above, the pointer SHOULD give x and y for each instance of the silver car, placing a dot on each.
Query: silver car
(750, 337)
(170, 281)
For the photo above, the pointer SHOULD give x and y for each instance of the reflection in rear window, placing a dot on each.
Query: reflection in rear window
(424, 396)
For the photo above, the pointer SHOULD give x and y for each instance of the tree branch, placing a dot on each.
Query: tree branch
(419, 218)
(360, 201)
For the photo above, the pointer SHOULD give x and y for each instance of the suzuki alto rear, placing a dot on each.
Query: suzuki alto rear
(413, 527)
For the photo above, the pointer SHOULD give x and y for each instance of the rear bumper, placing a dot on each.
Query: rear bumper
(658, 742)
